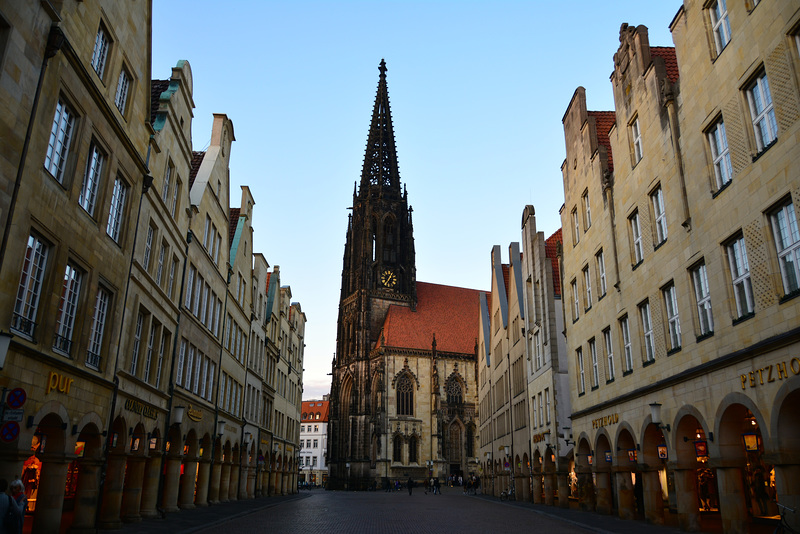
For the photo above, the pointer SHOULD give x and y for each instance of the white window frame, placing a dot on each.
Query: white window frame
(547, 405)
(673, 317)
(60, 139)
(29, 289)
(100, 52)
(762, 112)
(581, 371)
(647, 332)
(119, 196)
(534, 411)
(601, 272)
(123, 88)
(575, 299)
(148, 247)
(587, 210)
(659, 214)
(703, 296)
(720, 154)
(740, 277)
(91, 179)
(787, 244)
(609, 354)
(587, 284)
(67, 309)
(162, 253)
(720, 24)
(636, 234)
(137, 340)
(627, 349)
(98, 328)
(595, 366)
(636, 136)
(576, 225)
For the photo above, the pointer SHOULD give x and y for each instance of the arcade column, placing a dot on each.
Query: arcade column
(203, 477)
(686, 493)
(86, 495)
(132, 492)
(112, 492)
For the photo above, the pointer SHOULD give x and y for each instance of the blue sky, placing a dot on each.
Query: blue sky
(477, 90)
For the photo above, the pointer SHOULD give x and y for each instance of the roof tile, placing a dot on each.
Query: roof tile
(551, 251)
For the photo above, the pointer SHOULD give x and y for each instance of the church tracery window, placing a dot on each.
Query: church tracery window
(405, 395)
(454, 392)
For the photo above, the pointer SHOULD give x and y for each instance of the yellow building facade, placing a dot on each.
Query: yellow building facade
(680, 273)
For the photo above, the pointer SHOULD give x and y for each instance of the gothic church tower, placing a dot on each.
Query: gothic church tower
(378, 271)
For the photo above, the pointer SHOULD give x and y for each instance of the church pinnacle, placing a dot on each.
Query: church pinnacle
(380, 169)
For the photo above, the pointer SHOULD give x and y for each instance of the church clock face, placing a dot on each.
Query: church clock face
(388, 278)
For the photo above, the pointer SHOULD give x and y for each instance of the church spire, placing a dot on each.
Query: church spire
(380, 172)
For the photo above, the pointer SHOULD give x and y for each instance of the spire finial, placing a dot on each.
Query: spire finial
(382, 68)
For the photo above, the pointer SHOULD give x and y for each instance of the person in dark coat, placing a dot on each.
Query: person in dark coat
(410, 486)
(7, 502)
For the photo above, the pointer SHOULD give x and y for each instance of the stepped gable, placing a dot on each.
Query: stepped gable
(604, 120)
(551, 251)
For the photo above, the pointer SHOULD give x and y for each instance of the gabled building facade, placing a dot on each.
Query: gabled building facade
(314, 442)
(682, 362)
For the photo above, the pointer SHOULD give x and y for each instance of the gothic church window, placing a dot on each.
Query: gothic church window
(397, 454)
(405, 396)
(454, 393)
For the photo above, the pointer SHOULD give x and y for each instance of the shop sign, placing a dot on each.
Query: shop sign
(194, 414)
(539, 437)
(600, 422)
(132, 405)
(770, 373)
(57, 381)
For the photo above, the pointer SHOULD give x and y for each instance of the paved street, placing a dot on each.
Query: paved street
(319, 511)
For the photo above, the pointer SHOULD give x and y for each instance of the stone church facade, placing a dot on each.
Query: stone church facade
(403, 391)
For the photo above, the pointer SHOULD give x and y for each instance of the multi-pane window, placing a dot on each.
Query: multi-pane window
(148, 247)
(575, 299)
(624, 326)
(636, 236)
(537, 349)
(165, 186)
(174, 203)
(762, 112)
(703, 296)
(405, 395)
(787, 242)
(587, 284)
(547, 405)
(60, 137)
(581, 371)
(587, 211)
(117, 209)
(91, 179)
(123, 88)
(171, 279)
(657, 197)
(30, 287)
(595, 365)
(100, 52)
(541, 410)
(137, 340)
(98, 328)
(740, 276)
(673, 320)
(647, 332)
(162, 254)
(576, 227)
(721, 25)
(67, 309)
(609, 354)
(718, 141)
(636, 137)
(601, 272)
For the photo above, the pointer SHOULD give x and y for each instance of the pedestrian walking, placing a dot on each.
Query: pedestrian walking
(410, 486)
(437, 489)
(18, 494)
(10, 515)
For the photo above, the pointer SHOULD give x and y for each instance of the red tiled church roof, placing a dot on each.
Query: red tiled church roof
(670, 60)
(604, 120)
(232, 222)
(505, 277)
(197, 160)
(450, 313)
(156, 88)
(551, 251)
